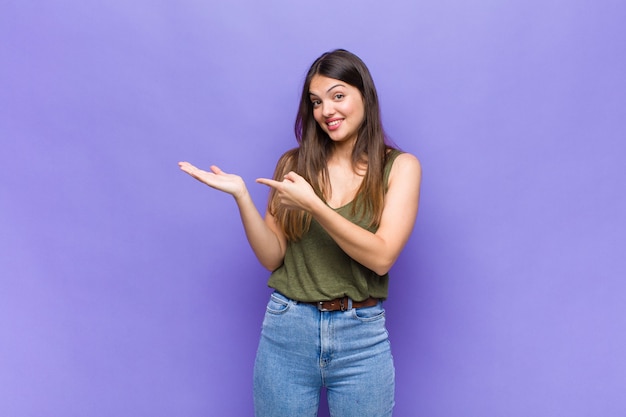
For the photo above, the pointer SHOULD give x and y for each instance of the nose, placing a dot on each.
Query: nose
(328, 109)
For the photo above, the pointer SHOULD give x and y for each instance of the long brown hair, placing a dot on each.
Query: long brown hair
(310, 159)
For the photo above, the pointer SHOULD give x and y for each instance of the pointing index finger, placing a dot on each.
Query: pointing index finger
(268, 182)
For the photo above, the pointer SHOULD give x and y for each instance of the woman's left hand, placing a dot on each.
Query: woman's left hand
(294, 191)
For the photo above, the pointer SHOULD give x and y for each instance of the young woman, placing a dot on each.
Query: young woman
(342, 206)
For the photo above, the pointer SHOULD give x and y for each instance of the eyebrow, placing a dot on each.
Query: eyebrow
(329, 90)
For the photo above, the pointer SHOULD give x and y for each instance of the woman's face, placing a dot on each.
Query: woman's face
(337, 107)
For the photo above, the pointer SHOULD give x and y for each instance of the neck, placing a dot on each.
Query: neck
(342, 151)
(341, 155)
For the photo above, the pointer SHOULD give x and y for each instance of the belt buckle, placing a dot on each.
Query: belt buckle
(320, 306)
(342, 305)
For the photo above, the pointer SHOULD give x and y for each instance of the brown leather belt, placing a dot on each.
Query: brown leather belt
(341, 304)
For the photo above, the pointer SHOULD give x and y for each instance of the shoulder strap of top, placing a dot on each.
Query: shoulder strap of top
(393, 154)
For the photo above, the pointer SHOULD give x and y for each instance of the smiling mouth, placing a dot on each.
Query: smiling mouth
(333, 124)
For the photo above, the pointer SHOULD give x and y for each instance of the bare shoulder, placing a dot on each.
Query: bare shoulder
(407, 167)
(406, 158)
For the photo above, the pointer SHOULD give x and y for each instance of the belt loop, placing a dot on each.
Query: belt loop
(349, 303)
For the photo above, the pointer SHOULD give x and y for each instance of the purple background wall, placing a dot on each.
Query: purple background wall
(128, 289)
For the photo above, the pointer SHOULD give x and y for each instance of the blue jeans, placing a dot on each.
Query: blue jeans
(303, 349)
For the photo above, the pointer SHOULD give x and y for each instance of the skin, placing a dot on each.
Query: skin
(333, 100)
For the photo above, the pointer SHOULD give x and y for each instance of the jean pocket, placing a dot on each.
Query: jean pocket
(367, 314)
(278, 304)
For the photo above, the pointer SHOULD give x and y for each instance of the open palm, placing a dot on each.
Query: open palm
(216, 178)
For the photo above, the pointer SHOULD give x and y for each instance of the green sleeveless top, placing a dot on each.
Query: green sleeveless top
(315, 268)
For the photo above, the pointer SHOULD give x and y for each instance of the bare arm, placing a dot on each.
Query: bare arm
(377, 251)
(265, 238)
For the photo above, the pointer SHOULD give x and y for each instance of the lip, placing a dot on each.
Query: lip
(334, 126)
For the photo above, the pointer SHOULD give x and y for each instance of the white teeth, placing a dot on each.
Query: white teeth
(334, 123)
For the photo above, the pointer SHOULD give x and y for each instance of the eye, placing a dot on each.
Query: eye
(339, 96)
(316, 103)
